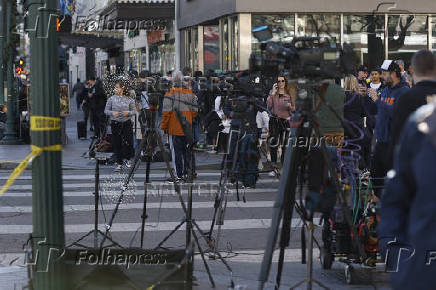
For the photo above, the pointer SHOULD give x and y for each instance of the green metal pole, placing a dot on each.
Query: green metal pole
(2, 39)
(11, 133)
(47, 198)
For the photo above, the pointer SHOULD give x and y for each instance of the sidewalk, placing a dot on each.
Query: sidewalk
(12, 155)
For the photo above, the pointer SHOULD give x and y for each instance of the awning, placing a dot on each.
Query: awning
(139, 10)
(89, 40)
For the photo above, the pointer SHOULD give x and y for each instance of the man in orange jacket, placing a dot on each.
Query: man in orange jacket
(181, 98)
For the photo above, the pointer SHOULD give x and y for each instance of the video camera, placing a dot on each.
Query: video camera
(304, 57)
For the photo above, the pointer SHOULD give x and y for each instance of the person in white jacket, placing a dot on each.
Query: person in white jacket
(224, 134)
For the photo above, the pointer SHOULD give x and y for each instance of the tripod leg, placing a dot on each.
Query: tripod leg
(285, 199)
(204, 259)
(96, 197)
(170, 234)
(149, 150)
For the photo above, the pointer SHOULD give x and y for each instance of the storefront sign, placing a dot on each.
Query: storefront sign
(154, 36)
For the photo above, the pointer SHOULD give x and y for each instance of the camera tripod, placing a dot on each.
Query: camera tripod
(285, 202)
(96, 232)
(150, 136)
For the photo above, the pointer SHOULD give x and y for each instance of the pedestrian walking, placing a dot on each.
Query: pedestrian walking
(86, 107)
(78, 91)
(97, 99)
(121, 108)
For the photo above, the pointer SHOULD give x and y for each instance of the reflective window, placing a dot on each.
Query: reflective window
(319, 25)
(211, 42)
(433, 33)
(366, 34)
(225, 44)
(235, 42)
(407, 34)
(282, 27)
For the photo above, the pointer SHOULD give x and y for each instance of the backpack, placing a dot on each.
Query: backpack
(248, 160)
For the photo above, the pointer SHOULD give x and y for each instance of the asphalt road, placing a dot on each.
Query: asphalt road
(243, 236)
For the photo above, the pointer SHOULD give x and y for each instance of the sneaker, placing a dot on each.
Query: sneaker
(118, 167)
(128, 164)
(177, 180)
(272, 174)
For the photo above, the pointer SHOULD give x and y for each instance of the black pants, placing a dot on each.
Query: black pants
(279, 137)
(122, 140)
(87, 115)
(379, 166)
(182, 156)
(99, 121)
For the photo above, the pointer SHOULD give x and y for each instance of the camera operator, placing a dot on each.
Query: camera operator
(281, 105)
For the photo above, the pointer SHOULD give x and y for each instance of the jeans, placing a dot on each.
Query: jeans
(182, 156)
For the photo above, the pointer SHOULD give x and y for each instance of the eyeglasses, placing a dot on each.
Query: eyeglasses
(281, 81)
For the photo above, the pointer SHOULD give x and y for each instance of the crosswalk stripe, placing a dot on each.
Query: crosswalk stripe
(150, 205)
(72, 186)
(103, 176)
(153, 193)
(154, 227)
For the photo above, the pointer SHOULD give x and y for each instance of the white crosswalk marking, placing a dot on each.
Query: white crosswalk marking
(163, 207)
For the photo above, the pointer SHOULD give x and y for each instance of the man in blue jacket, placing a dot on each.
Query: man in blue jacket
(407, 228)
(383, 105)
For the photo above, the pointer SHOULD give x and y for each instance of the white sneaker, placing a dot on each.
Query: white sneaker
(118, 167)
(272, 174)
(128, 164)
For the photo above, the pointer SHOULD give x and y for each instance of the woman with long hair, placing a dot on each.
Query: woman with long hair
(121, 107)
(280, 103)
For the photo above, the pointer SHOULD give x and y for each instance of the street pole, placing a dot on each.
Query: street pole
(2, 38)
(47, 198)
(177, 34)
(11, 133)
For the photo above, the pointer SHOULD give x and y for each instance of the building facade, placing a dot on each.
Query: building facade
(217, 35)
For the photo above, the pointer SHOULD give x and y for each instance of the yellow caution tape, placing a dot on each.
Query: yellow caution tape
(42, 123)
(36, 151)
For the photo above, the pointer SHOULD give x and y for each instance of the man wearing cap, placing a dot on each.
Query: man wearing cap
(383, 106)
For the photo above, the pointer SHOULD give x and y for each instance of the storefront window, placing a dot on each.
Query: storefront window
(225, 44)
(235, 43)
(188, 54)
(319, 25)
(365, 33)
(433, 33)
(282, 27)
(143, 59)
(407, 34)
(195, 48)
(211, 42)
